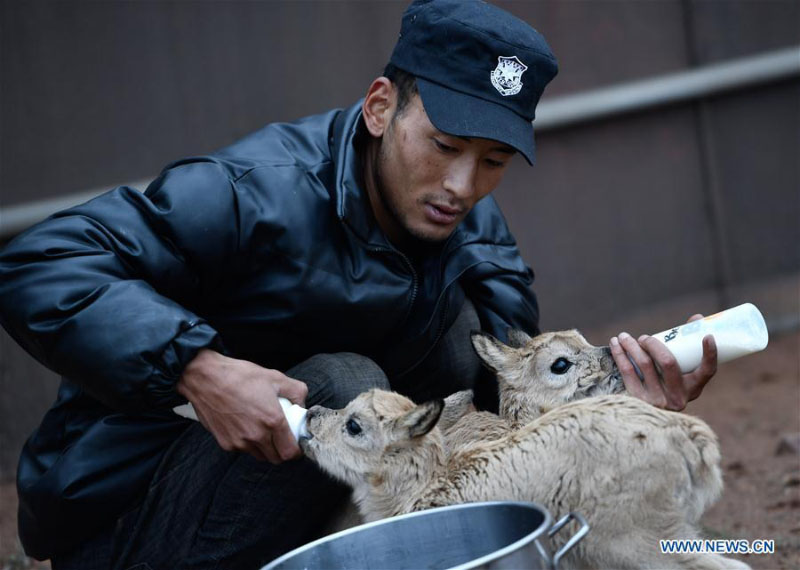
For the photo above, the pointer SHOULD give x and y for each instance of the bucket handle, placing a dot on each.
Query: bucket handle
(574, 539)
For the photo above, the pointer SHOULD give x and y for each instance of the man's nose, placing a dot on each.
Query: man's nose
(460, 179)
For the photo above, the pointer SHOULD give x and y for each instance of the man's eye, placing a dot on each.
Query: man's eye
(444, 147)
(494, 163)
(353, 428)
(560, 366)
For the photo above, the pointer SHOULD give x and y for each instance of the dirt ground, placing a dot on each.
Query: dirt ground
(753, 404)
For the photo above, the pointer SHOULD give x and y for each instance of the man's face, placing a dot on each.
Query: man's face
(428, 181)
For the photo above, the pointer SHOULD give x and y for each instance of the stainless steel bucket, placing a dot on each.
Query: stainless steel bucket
(507, 535)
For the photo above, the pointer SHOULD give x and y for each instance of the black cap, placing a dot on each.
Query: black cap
(480, 71)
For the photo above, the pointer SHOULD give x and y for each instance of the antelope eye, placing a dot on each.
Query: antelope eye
(560, 366)
(353, 427)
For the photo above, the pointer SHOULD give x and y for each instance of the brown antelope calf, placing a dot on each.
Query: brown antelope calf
(534, 375)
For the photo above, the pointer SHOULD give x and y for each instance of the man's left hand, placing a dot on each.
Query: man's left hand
(663, 385)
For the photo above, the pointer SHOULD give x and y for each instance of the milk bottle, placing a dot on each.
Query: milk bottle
(737, 331)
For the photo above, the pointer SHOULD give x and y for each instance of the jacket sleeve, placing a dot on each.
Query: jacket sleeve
(502, 295)
(497, 281)
(103, 293)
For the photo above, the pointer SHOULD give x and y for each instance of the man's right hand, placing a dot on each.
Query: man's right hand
(237, 401)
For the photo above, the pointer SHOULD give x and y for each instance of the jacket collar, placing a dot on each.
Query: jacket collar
(352, 202)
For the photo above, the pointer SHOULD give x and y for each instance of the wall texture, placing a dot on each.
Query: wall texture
(618, 217)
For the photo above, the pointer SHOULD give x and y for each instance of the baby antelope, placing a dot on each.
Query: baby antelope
(534, 375)
(538, 374)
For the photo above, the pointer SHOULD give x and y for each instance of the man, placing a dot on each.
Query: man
(311, 260)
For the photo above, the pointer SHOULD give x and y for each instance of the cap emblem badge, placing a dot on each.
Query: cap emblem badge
(507, 76)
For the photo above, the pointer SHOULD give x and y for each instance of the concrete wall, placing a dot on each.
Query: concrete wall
(638, 219)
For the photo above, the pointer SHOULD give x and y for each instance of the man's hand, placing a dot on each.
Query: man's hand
(664, 385)
(237, 401)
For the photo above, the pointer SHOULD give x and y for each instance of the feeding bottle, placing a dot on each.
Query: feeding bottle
(737, 332)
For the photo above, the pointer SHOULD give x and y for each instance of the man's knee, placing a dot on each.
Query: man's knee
(335, 379)
(454, 359)
(457, 350)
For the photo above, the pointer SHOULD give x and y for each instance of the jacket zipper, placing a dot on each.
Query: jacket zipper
(444, 293)
(440, 332)
(444, 290)
(414, 278)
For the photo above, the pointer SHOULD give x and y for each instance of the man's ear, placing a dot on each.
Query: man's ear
(418, 421)
(378, 106)
(491, 351)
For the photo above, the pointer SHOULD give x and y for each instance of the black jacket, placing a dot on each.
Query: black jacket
(266, 250)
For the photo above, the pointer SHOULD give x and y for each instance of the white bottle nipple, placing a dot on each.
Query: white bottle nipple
(296, 416)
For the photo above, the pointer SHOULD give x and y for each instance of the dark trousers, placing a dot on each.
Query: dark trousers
(211, 509)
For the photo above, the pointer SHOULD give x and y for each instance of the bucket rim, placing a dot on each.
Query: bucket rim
(541, 530)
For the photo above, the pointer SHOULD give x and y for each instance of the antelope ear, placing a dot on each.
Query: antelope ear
(517, 338)
(418, 421)
(491, 351)
(455, 406)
